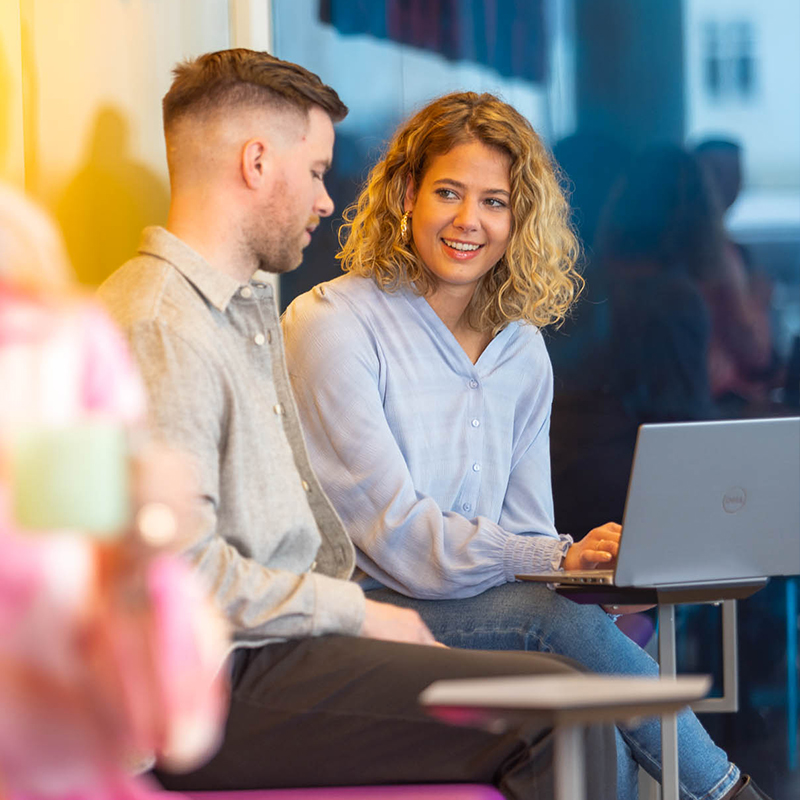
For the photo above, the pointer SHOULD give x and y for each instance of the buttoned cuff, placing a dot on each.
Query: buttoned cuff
(339, 606)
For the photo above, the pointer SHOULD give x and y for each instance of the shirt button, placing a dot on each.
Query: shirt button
(467, 507)
(259, 339)
(476, 467)
(473, 384)
(246, 291)
(278, 408)
(306, 488)
(476, 423)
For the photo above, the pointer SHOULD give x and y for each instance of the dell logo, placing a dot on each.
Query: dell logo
(734, 499)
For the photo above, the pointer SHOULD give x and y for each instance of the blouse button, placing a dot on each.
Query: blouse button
(278, 408)
(476, 467)
(306, 486)
(246, 292)
(259, 339)
(473, 384)
(467, 507)
(476, 423)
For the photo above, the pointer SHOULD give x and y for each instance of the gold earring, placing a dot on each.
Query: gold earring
(405, 226)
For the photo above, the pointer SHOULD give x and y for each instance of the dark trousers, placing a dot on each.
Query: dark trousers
(335, 711)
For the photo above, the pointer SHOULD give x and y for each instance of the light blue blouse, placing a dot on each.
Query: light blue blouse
(439, 468)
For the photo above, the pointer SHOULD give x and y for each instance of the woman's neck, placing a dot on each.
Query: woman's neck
(451, 304)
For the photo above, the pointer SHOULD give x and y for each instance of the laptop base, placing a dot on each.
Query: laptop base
(672, 594)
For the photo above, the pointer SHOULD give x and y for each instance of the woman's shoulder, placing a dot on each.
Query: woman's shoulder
(346, 300)
(338, 309)
(528, 339)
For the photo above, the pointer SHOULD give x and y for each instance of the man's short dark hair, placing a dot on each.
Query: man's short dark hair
(236, 78)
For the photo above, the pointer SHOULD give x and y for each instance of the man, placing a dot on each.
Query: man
(324, 682)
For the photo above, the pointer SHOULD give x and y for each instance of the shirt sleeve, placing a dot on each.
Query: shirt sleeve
(405, 540)
(186, 407)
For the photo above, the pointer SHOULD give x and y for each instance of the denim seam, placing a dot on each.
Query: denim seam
(527, 636)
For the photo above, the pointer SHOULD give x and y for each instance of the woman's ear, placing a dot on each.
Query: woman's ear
(408, 203)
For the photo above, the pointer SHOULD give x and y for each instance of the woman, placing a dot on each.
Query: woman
(425, 387)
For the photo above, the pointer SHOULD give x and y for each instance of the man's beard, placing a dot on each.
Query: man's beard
(280, 257)
(276, 248)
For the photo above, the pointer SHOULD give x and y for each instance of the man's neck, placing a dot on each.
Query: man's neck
(210, 235)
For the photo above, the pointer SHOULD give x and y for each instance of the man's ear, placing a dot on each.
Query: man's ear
(411, 193)
(254, 163)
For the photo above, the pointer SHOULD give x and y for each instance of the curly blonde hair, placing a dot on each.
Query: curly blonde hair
(535, 281)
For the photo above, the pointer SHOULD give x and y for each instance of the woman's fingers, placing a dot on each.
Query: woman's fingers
(596, 557)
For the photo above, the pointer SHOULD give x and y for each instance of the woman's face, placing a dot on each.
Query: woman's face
(460, 213)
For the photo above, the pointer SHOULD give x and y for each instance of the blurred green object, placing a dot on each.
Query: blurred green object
(74, 477)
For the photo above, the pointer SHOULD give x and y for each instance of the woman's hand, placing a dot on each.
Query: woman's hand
(598, 548)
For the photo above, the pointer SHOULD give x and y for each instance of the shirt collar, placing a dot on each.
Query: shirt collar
(217, 287)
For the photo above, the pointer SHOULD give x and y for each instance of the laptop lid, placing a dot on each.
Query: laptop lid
(712, 501)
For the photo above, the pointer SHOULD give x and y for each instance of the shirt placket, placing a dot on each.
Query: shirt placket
(474, 434)
(268, 336)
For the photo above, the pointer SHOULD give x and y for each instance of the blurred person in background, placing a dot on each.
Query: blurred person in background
(660, 241)
(741, 360)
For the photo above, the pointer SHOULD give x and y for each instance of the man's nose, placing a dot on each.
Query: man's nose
(324, 205)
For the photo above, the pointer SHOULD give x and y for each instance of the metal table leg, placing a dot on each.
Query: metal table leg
(730, 665)
(669, 722)
(570, 766)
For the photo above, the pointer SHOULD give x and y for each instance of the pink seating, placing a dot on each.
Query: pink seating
(436, 791)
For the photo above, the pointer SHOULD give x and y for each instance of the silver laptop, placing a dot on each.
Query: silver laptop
(708, 503)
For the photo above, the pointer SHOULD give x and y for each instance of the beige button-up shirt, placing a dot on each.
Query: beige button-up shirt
(268, 542)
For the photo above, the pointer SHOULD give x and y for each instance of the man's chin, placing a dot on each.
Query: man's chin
(280, 267)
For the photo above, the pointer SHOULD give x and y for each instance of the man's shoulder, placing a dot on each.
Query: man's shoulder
(147, 290)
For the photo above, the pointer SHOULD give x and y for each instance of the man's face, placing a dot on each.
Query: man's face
(297, 198)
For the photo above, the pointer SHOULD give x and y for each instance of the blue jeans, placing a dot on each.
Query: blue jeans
(529, 616)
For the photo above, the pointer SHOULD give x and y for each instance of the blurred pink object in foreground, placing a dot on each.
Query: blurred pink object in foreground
(110, 652)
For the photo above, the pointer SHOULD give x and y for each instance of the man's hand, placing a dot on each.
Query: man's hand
(395, 624)
(598, 547)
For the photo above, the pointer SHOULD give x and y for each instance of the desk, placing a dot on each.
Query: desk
(667, 599)
(568, 702)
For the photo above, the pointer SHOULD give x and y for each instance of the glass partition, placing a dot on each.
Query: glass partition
(677, 127)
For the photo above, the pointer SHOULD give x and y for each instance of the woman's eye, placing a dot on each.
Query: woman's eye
(495, 202)
(448, 194)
